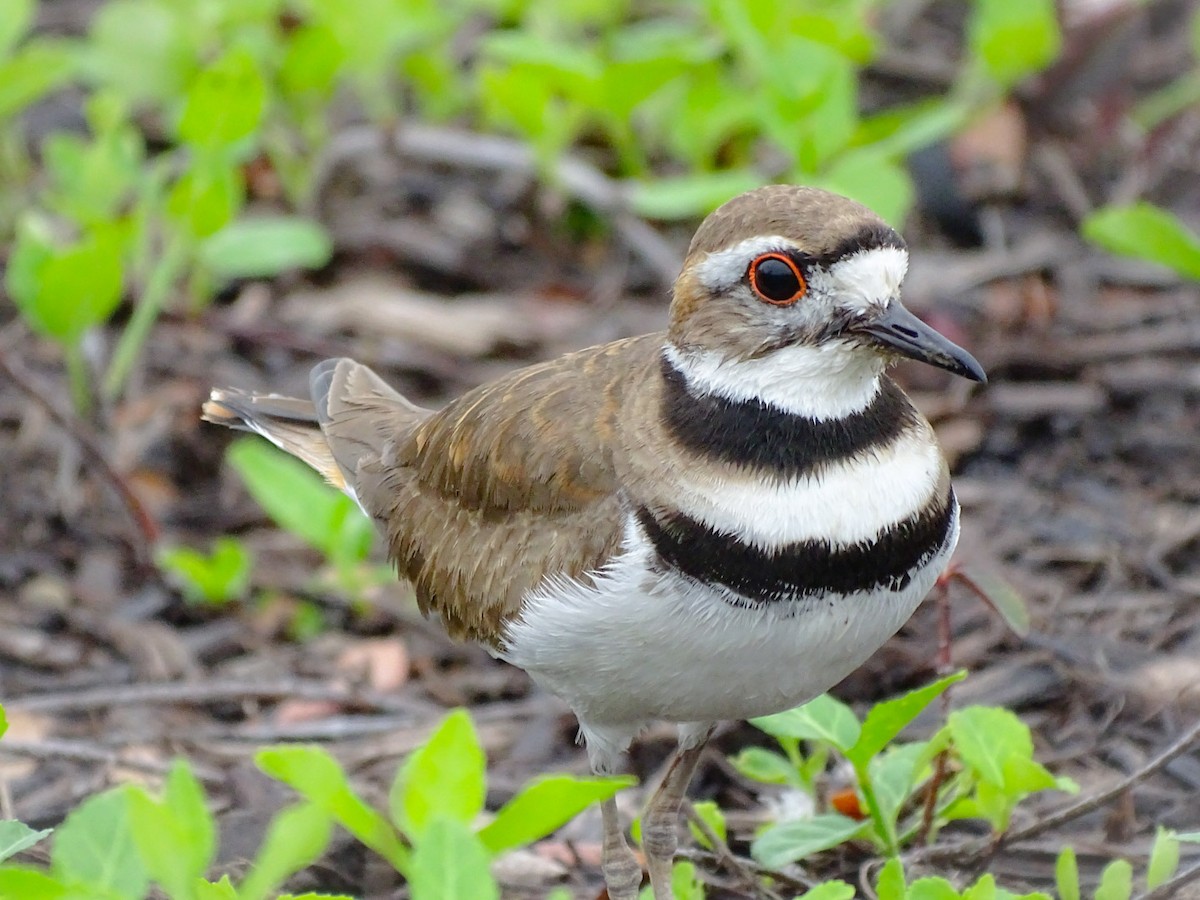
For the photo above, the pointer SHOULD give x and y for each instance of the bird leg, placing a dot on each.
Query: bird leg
(622, 871)
(660, 822)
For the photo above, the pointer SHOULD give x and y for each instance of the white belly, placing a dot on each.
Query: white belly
(638, 645)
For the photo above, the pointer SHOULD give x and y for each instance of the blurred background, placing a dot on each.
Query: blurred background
(223, 192)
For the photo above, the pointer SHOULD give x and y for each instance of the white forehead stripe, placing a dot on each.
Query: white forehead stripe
(865, 280)
(722, 269)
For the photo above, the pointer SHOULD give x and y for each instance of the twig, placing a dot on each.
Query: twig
(493, 153)
(146, 525)
(78, 751)
(945, 665)
(715, 860)
(1087, 804)
(728, 858)
(209, 692)
(1169, 890)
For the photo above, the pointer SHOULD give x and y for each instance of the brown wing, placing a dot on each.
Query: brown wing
(511, 483)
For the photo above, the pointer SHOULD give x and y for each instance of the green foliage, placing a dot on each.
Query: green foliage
(1013, 38)
(1146, 232)
(118, 843)
(992, 749)
(435, 800)
(996, 749)
(263, 246)
(213, 579)
(296, 498)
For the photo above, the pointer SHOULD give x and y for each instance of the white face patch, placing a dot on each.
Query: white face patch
(827, 381)
(721, 270)
(864, 281)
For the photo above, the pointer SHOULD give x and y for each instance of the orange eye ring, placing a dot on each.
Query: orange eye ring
(776, 279)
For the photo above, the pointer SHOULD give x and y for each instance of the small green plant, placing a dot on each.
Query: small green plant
(214, 579)
(118, 843)
(991, 747)
(150, 203)
(298, 501)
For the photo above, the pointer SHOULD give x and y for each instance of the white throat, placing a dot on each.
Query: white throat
(829, 381)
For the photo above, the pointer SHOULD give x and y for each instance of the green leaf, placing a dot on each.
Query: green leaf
(32, 884)
(225, 102)
(450, 863)
(824, 718)
(1116, 881)
(166, 57)
(901, 130)
(296, 838)
(788, 842)
(688, 196)
(1164, 858)
(15, 18)
(94, 180)
(3, 720)
(17, 836)
(175, 836)
(543, 806)
(710, 813)
(33, 71)
(62, 291)
(829, 890)
(1188, 837)
(760, 764)
(1144, 231)
(685, 883)
(997, 593)
(932, 888)
(445, 778)
(873, 180)
(1066, 875)
(893, 773)
(983, 889)
(311, 62)
(987, 737)
(206, 197)
(266, 246)
(216, 578)
(891, 884)
(1014, 38)
(297, 500)
(220, 890)
(318, 777)
(889, 718)
(94, 846)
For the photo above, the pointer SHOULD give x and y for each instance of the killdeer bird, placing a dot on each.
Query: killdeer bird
(715, 522)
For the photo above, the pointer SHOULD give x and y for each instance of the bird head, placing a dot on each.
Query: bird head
(788, 281)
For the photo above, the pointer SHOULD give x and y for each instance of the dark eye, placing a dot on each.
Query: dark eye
(776, 279)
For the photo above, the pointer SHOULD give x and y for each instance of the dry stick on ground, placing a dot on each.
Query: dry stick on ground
(73, 426)
(492, 153)
(715, 861)
(212, 692)
(1169, 890)
(727, 858)
(79, 751)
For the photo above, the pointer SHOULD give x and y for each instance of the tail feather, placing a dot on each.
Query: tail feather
(352, 415)
(287, 422)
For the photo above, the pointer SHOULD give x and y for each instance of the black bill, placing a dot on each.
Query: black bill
(902, 332)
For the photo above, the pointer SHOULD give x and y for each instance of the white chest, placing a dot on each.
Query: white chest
(639, 645)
